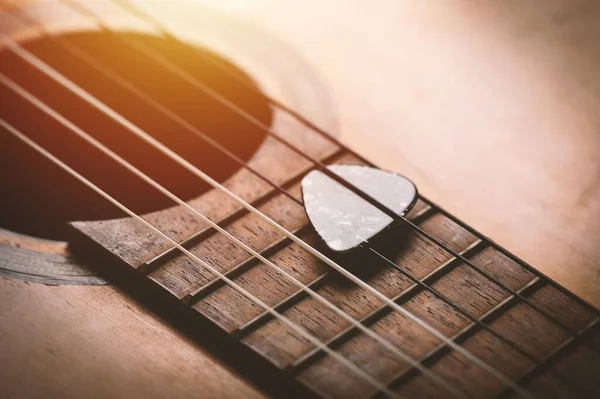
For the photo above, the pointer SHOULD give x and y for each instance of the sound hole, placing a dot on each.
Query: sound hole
(39, 198)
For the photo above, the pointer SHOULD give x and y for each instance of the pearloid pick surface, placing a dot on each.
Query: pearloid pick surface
(342, 218)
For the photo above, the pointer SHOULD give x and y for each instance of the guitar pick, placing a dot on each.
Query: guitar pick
(343, 219)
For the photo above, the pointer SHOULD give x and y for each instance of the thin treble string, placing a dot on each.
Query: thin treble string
(110, 74)
(49, 71)
(140, 133)
(159, 58)
(165, 32)
(163, 29)
(175, 69)
(65, 122)
(85, 136)
(478, 322)
(84, 56)
(344, 361)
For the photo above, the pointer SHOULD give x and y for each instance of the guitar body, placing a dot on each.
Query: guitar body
(490, 110)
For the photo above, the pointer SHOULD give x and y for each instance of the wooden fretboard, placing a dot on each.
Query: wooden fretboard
(503, 311)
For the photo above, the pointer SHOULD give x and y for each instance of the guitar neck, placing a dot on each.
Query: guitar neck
(435, 308)
(501, 310)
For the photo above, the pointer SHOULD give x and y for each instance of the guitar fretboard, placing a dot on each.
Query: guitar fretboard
(511, 317)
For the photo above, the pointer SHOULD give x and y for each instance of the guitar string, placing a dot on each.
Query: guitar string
(344, 361)
(57, 116)
(163, 30)
(169, 113)
(417, 320)
(85, 136)
(84, 56)
(49, 71)
(157, 57)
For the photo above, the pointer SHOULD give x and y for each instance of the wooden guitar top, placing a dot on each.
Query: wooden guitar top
(490, 109)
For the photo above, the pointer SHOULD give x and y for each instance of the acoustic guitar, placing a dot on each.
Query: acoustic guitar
(201, 199)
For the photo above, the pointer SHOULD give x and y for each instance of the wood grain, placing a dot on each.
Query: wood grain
(525, 337)
(528, 121)
(65, 341)
(489, 107)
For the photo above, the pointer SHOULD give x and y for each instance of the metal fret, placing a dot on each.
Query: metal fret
(160, 259)
(480, 324)
(510, 255)
(237, 270)
(468, 331)
(282, 306)
(488, 275)
(209, 287)
(552, 356)
(381, 311)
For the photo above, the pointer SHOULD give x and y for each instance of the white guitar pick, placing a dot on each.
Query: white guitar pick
(343, 219)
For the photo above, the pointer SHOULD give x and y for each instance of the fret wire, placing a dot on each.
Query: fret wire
(377, 384)
(282, 306)
(423, 213)
(319, 165)
(459, 308)
(192, 297)
(68, 84)
(487, 275)
(481, 324)
(382, 310)
(206, 289)
(510, 255)
(521, 263)
(195, 238)
(466, 332)
(162, 28)
(554, 356)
